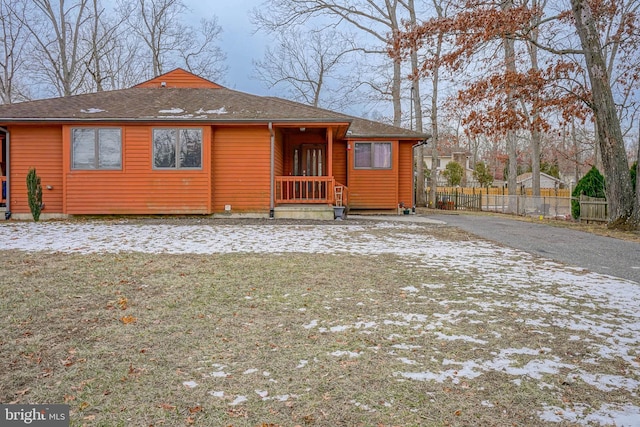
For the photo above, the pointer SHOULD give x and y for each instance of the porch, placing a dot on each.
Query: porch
(309, 197)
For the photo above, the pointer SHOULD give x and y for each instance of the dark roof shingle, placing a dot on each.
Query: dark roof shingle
(188, 105)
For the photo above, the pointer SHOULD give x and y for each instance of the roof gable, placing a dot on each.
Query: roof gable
(179, 78)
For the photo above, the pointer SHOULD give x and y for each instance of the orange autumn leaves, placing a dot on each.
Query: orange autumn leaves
(122, 303)
(503, 99)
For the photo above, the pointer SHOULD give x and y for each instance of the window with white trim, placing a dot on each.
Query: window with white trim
(96, 148)
(177, 148)
(372, 155)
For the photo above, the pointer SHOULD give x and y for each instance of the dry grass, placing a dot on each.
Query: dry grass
(117, 336)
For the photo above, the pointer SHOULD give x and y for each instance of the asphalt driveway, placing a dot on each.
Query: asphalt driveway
(599, 254)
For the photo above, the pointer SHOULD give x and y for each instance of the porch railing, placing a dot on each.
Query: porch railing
(305, 189)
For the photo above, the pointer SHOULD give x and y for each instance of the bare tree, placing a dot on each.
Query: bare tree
(200, 53)
(306, 64)
(169, 42)
(55, 28)
(12, 51)
(372, 19)
(416, 99)
(101, 39)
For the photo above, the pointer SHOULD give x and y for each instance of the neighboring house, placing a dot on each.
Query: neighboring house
(180, 144)
(445, 156)
(546, 181)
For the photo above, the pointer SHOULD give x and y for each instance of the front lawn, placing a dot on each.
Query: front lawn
(351, 324)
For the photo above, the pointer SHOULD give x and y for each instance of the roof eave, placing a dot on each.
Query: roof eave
(171, 120)
(392, 136)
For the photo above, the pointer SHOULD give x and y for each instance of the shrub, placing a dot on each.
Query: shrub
(454, 173)
(482, 175)
(592, 185)
(34, 193)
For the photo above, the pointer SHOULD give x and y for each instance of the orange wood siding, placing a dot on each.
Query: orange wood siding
(405, 173)
(138, 188)
(179, 78)
(374, 188)
(279, 154)
(340, 161)
(241, 169)
(39, 147)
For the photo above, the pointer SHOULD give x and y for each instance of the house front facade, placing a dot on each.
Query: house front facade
(179, 144)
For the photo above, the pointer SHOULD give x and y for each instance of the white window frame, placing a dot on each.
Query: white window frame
(372, 163)
(96, 165)
(178, 145)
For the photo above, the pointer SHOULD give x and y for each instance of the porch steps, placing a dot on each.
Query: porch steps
(320, 212)
(3, 210)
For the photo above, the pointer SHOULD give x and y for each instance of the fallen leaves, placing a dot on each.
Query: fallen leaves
(127, 320)
(166, 406)
(122, 303)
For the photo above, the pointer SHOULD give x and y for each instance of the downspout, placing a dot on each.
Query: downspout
(272, 171)
(7, 214)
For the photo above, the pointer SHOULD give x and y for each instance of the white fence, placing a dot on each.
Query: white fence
(549, 207)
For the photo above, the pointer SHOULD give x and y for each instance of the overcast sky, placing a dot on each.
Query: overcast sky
(238, 42)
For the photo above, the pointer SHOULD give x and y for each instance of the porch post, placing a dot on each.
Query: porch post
(330, 152)
(272, 177)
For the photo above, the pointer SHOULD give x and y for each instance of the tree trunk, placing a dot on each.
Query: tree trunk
(510, 67)
(614, 158)
(536, 135)
(435, 79)
(637, 204)
(417, 108)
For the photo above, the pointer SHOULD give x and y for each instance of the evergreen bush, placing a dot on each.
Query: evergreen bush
(592, 185)
(34, 193)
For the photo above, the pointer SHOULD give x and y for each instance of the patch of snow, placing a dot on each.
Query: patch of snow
(250, 371)
(311, 324)
(190, 384)
(442, 336)
(93, 110)
(171, 111)
(410, 289)
(607, 415)
(364, 325)
(217, 393)
(340, 353)
(406, 346)
(221, 110)
(219, 374)
(262, 393)
(238, 400)
(467, 370)
(302, 364)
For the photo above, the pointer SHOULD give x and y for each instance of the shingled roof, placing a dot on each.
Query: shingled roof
(210, 105)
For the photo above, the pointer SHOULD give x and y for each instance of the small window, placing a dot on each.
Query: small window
(373, 155)
(96, 148)
(177, 148)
